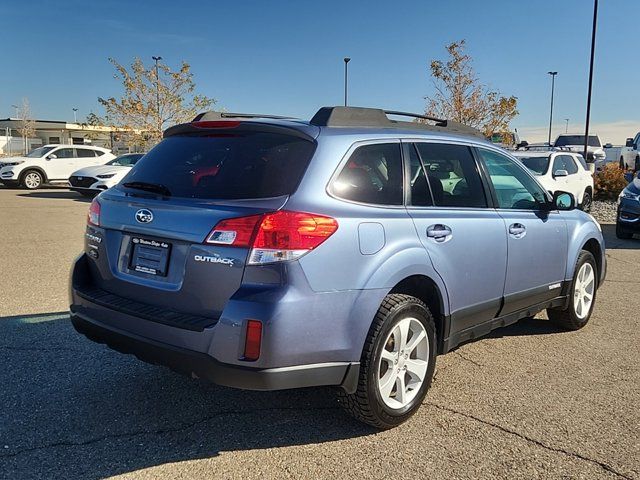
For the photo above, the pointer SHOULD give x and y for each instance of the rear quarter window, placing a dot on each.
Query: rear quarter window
(226, 166)
(372, 175)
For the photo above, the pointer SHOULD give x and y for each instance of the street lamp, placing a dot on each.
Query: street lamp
(566, 127)
(75, 118)
(593, 50)
(553, 84)
(16, 107)
(346, 61)
(157, 59)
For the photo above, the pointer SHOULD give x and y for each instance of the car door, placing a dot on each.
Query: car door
(536, 238)
(465, 239)
(573, 181)
(60, 163)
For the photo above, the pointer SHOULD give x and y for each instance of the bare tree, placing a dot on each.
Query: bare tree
(153, 99)
(460, 96)
(27, 127)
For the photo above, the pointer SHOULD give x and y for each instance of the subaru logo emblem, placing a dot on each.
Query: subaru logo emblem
(144, 216)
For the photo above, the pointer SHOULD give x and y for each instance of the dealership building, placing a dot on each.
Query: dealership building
(59, 132)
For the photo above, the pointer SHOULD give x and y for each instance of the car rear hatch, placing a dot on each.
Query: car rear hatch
(148, 246)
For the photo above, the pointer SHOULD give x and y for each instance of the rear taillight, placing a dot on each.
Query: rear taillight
(274, 237)
(94, 213)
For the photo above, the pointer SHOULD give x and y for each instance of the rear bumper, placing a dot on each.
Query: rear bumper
(201, 365)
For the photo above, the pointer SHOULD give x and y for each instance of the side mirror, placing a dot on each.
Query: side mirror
(560, 173)
(607, 145)
(629, 142)
(52, 156)
(523, 144)
(564, 200)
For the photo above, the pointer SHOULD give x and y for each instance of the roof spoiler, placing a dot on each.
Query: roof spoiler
(376, 117)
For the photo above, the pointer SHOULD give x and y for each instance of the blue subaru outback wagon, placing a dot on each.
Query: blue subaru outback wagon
(266, 253)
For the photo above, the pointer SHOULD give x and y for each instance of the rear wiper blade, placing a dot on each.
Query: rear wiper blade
(149, 187)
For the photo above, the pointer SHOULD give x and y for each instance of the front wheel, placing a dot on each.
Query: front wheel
(582, 295)
(32, 180)
(397, 363)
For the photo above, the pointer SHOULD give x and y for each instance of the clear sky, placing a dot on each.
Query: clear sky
(285, 57)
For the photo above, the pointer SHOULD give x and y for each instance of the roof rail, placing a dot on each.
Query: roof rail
(376, 117)
(213, 115)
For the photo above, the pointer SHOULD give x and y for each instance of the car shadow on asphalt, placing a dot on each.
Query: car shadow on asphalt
(57, 195)
(75, 409)
(613, 242)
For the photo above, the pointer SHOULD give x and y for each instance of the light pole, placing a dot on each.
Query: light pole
(157, 59)
(75, 118)
(593, 50)
(553, 84)
(16, 107)
(346, 69)
(566, 127)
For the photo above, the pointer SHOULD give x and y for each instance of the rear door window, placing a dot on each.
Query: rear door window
(85, 153)
(452, 175)
(241, 165)
(372, 175)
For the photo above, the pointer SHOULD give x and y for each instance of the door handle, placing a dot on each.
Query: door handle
(440, 233)
(517, 230)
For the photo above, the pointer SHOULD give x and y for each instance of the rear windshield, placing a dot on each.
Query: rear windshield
(565, 140)
(223, 166)
(537, 165)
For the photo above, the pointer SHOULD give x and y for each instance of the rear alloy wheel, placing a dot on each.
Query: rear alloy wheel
(582, 295)
(32, 180)
(586, 201)
(397, 364)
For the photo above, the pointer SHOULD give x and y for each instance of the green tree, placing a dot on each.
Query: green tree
(153, 99)
(460, 96)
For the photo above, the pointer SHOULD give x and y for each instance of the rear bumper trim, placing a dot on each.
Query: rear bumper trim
(201, 365)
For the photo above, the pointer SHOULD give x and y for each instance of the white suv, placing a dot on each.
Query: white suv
(50, 164)
(561, 171)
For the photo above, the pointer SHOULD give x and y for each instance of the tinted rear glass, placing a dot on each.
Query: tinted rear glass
(537, 165)
(237, 166)
(565, 140)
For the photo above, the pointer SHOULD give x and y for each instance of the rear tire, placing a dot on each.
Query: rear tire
(397, 364)
(587, 200)
(622, 234)
(31, 180)
(582, 295)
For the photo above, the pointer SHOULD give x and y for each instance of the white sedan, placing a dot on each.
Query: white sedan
(92, 180)
(561, 170)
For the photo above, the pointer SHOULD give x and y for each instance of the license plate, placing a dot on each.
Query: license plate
(149, 256)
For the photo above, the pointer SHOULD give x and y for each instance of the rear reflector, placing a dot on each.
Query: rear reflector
(253, 340)
(94, 213)
(274, 237)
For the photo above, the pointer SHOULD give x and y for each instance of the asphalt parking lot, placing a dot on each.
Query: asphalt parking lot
(528, 401)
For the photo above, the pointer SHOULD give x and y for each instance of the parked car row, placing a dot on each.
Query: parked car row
(86, 169)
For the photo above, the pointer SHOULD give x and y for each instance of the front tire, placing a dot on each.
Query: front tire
(622, 234)
(397, 364)
(32, 180)
(582, 295)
